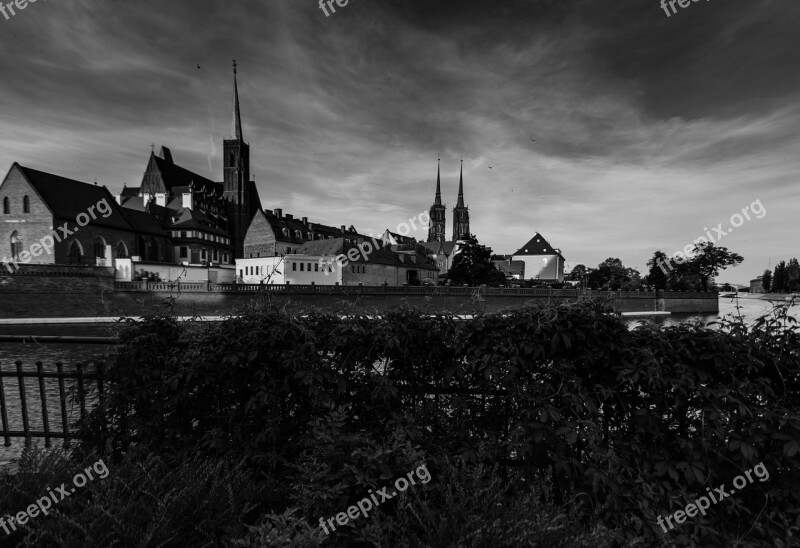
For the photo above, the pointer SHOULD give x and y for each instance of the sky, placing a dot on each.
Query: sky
(611, 128)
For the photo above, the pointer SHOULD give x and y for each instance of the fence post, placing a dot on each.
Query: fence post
(23, 403)
(43, 397)
(3, 411)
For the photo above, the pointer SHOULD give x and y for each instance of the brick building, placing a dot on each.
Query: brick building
(83, 221)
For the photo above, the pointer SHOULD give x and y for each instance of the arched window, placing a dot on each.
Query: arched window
(75, 253)
(26, 205)
(6, 206)
(99, 248)
(16, 244)
(122, 251)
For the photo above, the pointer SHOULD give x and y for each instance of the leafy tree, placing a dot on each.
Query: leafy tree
(779, 278)
(577, 274)
(708, 260)
(612, 274)
(793, 276)
(656, 275)
(473, 265)
(766, 281)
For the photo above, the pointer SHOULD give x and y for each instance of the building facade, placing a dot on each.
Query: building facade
(541, 260)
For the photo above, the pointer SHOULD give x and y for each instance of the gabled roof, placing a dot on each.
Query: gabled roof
(68, 198)
(295, 224)
(537, 246)
(143, 222)
(163, 174)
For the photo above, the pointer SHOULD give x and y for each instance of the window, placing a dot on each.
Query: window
(286, 232)
(75, 253)
(301, 266)
(16, 244)
(203, 254)
(6, 206)
(241, 273)
(225, 258)
(122, 251)
(288, 250)
(26, 205)
(316, 267)
(215, 255)
(99, 248)
(294, 266)
(184, 252)
(183, 233)
(298, 234)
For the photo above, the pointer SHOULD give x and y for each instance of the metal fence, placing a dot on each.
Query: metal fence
(83, 383)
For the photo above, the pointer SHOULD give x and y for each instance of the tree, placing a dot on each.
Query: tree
(793, 276)
(766, 281)
(579, 273)
(708, 260)
(610, 274)
(656, 275)
(473, 265)
(779, 278)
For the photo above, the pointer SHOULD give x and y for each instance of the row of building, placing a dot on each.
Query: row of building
(180, 225)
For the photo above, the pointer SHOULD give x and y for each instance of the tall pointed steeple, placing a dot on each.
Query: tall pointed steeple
(237, 115)
(460, 212)
(460, 202)
(236, 177)
(436, 224)
(438, 200)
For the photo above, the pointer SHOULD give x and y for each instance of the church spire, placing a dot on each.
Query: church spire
(237, 116)
(460, 202)
(438, 200)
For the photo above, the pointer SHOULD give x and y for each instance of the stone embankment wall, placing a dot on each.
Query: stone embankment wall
(43, 291)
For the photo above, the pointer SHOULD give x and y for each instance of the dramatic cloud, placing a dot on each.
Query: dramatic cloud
(611, 128)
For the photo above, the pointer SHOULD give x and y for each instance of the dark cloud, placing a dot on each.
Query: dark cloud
(646, 127)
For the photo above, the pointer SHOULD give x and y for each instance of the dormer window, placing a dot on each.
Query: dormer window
(298, 234)
(286, 232)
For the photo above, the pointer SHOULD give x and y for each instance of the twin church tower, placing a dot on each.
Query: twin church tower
(437, 212)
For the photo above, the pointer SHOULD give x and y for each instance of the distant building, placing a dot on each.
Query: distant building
(339, 261)
(511, 269)
(443, 251)
(757, 285)
(542, 261)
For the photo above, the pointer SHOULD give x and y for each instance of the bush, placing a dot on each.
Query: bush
(142, 502)
(638, 421)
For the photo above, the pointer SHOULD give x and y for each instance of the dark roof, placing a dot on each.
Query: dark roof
(537, 246)
(445, 248)
(173, 175)
(143, 222)
(382, 255)
(68, 198)
(516, 267)
(294, 224)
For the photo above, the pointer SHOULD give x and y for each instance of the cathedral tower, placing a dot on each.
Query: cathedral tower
(437, 213)
(460, 212)
(236, 158)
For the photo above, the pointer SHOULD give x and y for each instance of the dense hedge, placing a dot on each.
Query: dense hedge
(636, 423)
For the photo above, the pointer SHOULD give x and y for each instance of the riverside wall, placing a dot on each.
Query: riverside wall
(45, 291)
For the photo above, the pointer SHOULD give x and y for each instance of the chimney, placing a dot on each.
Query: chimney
(145, 198)
(305, 221)
(278, 213)
(344, 229)
(187, 200)
(289, 217)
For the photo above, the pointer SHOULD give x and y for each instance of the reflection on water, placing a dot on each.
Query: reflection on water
(749, 309)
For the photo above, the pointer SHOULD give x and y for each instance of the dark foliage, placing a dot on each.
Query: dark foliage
(638, 422)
